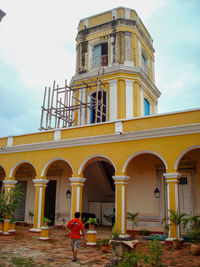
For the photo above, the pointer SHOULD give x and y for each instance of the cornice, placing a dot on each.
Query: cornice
(103, 139)
(116, 69)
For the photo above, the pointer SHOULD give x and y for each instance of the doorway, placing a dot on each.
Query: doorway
(50, 201)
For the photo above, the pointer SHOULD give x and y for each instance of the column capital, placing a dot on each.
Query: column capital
(9, 183)
(40, 182)
(121, 179)
(77, 180)
(172, 177)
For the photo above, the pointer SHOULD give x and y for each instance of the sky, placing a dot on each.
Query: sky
(37, 46)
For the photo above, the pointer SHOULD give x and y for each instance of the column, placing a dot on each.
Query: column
(77, 188)
(129, 99)
(8, 185)
(40, 185)
(172, 180)
(113, 101)
(121, 203)
(128, 61)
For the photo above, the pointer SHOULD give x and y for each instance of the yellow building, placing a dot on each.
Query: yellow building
(117, 150)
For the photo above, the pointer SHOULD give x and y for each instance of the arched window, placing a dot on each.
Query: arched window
(146, 107)
(100, 55)
(98, 111)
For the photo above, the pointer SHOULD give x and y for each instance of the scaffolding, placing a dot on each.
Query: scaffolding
(61, 103)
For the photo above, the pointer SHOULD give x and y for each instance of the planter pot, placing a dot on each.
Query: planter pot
(195, 249)
(44, 235)
(91, 227)
(177, 244)
(6, 227)
(12, 229)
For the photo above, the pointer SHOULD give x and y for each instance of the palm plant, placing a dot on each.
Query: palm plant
(192, 225)
(176, 219)
(133, 218)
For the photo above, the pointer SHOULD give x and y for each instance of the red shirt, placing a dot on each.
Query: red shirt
(76, 225)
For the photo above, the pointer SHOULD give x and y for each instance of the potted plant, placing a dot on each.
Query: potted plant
(9, 203)
(176, 219)
(192, 225)
(104, 243)
(44, 235)
(92, 222)
(133, 218)
(31, 215)
(46, 221)
(119, 247)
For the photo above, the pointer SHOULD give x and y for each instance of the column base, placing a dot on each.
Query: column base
(170, 240)
(124, 236)
(44, 238)
(35, 230)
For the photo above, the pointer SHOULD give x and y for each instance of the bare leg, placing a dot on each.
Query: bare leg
(75, 253)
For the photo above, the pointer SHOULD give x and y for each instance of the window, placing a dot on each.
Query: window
(100, 114)
(100, 55)
(145, 63)
(146, 107)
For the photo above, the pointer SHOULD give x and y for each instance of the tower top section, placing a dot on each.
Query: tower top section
(114, 38)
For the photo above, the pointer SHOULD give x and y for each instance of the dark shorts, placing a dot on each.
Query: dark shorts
(75, 244)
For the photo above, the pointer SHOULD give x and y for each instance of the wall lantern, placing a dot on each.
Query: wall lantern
(157, 193)
(68, 194)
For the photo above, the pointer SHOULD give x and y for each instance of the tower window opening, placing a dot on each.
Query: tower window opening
(146, 107)
(98, 111)
(100, 55)
(145, 64)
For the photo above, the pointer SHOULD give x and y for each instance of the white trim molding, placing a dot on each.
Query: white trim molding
(109, 138)
(183, 153)
(140, 153)
(9, 183)
(53, 160)
(129, 99)
(113, 100)
(17, 164)
(96, 158)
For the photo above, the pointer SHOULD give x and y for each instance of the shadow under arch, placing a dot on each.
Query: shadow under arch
(45, 169)
(183, 153)
(17, 165)
(95, 158)
(140, 153)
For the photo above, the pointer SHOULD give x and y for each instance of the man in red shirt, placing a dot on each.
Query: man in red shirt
(76, 226)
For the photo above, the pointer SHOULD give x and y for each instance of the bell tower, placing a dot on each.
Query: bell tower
(115, 49)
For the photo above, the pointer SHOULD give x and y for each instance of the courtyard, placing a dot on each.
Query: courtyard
(25, 249)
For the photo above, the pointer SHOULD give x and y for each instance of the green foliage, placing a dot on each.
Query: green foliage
(133, 218)
(103, 242)
(115, 231)
(10, 201)
(21, 261)
(192, 225)
(46, 220)
(30, 214)
(152, 258)
(175, 218)
(92, 221)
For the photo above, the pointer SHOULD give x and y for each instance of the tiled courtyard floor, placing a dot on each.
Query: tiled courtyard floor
(57, 252)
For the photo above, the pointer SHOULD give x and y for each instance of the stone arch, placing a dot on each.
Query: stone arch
(44, 170)
(183, 153)
(94, 158)
(17, 165)
(140, 153)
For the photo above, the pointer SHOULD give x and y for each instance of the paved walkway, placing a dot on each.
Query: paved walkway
(57, 252)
